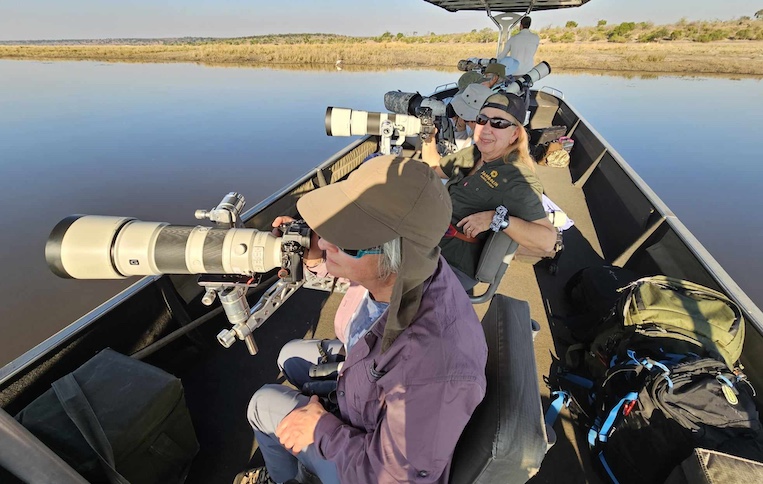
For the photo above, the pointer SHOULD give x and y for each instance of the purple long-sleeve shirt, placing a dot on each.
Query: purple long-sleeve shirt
(404, 426)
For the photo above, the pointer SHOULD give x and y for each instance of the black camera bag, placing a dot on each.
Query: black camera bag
(116, 419)
(649, 420)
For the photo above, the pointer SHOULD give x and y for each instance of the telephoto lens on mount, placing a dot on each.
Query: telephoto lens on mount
(353, 122)
(103, 247)
(526, 81)
(412, 103)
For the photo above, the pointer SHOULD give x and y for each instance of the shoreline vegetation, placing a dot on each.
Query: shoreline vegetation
(728, 47)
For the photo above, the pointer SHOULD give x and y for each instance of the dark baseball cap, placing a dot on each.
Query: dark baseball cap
(510, 103)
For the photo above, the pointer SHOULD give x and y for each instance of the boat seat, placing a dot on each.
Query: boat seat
(496, 256)
(506, 438)
(543, 117)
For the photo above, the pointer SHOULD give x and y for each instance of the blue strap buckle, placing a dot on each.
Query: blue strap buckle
(562, 400)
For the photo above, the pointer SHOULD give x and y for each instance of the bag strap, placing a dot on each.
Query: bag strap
(80, 412)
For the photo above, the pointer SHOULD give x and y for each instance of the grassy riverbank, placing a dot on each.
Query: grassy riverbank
(726, 57)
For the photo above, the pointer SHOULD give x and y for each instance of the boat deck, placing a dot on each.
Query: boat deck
(568, 460)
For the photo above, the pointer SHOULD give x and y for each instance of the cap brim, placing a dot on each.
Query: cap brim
(338, 219)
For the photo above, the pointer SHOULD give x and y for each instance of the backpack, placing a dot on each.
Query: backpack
(676, 315)
(646, 416)
(592, 292)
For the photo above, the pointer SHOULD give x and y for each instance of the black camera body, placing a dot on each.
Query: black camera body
(294, 243)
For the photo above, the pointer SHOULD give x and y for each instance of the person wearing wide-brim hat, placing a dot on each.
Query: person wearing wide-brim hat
(467, 106)
(415, 350)
(494, 176)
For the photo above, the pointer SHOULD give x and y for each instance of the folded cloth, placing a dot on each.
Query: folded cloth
(551, 207)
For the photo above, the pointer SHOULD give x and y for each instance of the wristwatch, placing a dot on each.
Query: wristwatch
(500, 219)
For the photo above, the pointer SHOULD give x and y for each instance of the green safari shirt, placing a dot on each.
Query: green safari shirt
(511, 184)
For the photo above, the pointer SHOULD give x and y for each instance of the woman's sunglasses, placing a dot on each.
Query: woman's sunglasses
(358, 253)
(497, 123)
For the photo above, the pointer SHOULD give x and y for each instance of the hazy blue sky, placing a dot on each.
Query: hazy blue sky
(80, 19)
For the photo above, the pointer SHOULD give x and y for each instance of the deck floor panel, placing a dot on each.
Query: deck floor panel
(568, 461)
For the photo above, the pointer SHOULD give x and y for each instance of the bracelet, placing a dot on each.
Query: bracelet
(500, 219)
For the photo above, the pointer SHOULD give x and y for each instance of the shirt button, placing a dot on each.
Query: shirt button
(423, 474)
(341, 393)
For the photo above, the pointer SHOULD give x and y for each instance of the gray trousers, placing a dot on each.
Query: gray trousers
(271, 403)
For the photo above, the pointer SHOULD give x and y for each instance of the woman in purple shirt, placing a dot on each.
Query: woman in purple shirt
(414, 374)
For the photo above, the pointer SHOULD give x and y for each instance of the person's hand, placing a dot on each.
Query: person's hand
(295, 432)
(314, 253)
(283, 219)
(476, 223)
(432, 138)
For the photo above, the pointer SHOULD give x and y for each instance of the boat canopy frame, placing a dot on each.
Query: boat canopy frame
(505, 5)
(508, 12)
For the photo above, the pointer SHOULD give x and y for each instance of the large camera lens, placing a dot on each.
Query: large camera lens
(412, 103)
(101, 247)
(353, 122)
(523, 82)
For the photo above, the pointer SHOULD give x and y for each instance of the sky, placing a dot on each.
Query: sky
(91, 19)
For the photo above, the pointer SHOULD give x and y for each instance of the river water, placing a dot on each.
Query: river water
(158, 141)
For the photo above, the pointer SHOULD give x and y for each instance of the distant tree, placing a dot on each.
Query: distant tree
(571, 24)
(601, 23)
(759, 14)
(400, 35)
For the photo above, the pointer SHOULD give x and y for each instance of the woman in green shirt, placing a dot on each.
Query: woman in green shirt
(494, 174)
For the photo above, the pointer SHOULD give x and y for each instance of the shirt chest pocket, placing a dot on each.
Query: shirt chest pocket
(477, 194)
(366, 399)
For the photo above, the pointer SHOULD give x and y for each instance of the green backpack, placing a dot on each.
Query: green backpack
(686, 314)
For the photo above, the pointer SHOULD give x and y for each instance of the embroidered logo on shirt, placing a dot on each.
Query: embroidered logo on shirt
(489, 178)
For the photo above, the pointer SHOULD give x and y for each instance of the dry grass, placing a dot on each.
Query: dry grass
(679, 57)
(739, 57)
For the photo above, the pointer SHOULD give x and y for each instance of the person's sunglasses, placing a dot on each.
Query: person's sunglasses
(497, 123)
(358, 253)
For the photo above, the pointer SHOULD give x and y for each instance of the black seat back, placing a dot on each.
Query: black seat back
(505, 440)
(495, 259)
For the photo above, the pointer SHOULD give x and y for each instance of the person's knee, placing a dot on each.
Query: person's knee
(261, 407)
(288, 351)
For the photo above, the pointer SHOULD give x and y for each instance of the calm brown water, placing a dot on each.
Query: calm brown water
(158, 141)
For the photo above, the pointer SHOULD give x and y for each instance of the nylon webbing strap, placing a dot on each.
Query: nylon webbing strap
(607, 469)
(562, 400)
(607, 425)
(78, 409)
(577, 380)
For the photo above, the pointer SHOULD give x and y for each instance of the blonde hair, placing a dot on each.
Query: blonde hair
(522, 146)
